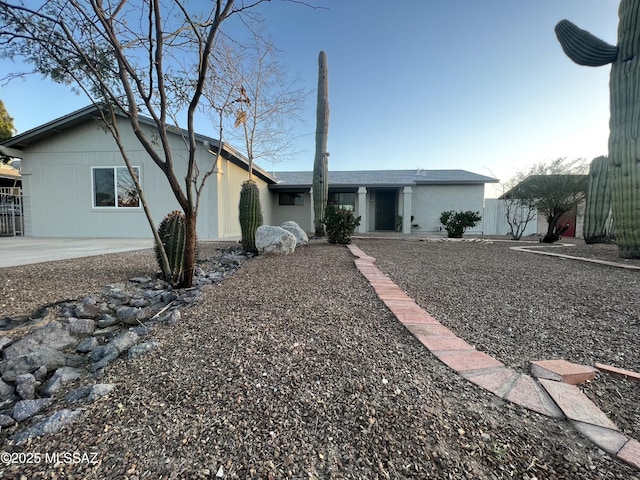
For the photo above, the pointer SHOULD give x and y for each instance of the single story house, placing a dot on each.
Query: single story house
(75, 185)
(381, 197)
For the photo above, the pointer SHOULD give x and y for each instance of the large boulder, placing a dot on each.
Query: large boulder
(274, 240)
(299, 233)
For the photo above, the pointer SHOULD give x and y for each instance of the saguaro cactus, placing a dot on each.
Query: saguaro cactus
(624, 137)
(597, 214)
(250, 214)
(320, 165)
(172, 233)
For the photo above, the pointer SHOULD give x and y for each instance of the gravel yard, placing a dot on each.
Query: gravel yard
(293, 368)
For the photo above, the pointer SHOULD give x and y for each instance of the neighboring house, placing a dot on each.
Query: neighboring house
(573, 219)
(75, 185)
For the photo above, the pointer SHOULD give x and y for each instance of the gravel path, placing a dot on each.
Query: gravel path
(293, 368)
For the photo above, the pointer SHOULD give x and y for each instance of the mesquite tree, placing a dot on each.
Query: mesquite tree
(132, 58)
(624, 137)
(553, 188)
(320, 164)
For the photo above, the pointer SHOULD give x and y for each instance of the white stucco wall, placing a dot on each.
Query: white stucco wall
(229, 183)
(429, 201)
(301, 214)
(57, 182)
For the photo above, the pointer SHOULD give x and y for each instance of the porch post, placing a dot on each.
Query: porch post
(311, 212)
(406, 210)
(362, 209)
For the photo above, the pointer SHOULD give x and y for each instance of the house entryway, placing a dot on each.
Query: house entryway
(386, 207)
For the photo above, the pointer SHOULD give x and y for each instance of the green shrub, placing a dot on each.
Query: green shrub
(340, 224)
(455, 223)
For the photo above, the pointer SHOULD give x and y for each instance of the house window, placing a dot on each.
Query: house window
(344, 200)
(113, 187)
(295, 199)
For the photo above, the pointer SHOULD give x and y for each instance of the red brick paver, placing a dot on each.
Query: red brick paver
(562, 370)
(630, 453)
(628, 374)
(575, 404)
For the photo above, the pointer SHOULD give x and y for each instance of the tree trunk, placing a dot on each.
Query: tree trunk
(552, 235)
(189, 249)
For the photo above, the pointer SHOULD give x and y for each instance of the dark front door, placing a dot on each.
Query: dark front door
(386, 209)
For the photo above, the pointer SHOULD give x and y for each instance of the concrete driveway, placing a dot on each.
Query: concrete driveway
(26, 250)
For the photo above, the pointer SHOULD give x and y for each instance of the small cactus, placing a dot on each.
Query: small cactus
(597, 214)
(250, 215)
(172, 233)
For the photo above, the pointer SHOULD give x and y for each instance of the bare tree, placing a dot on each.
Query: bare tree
(519, 212)
(131, 58)
(257, 104)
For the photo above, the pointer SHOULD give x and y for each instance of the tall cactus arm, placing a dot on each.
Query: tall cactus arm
(584, 48)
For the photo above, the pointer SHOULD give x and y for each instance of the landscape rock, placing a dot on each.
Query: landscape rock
(171, 296)
(127, 314)
(6, 421)
(76, 361)
(78, 394)
(142, 348)
(105, 354)
(106, 321)
(299, 233)
(100, 390)
(52, 336)
(26, 386)
(87, 308)
(59, 378)
(29, 363)
(4, 341)
(81, 327)
(50, 425)
(272, 240)
(24, 409)
(41, 373)
(87, 345)
(90, 393)
(7, 392)
(172, 317)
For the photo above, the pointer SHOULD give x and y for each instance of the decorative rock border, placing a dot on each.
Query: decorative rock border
(80, 341)
(552, 398)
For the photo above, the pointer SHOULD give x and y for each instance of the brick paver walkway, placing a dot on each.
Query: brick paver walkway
(552, 398)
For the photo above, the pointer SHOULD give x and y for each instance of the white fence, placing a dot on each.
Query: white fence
(494, 220)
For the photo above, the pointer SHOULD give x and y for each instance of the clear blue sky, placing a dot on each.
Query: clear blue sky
(480, 85)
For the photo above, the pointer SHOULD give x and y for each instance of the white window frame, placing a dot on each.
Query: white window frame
(115, 188)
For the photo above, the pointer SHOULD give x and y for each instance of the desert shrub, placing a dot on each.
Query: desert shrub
(456, 223)
(340, 224)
